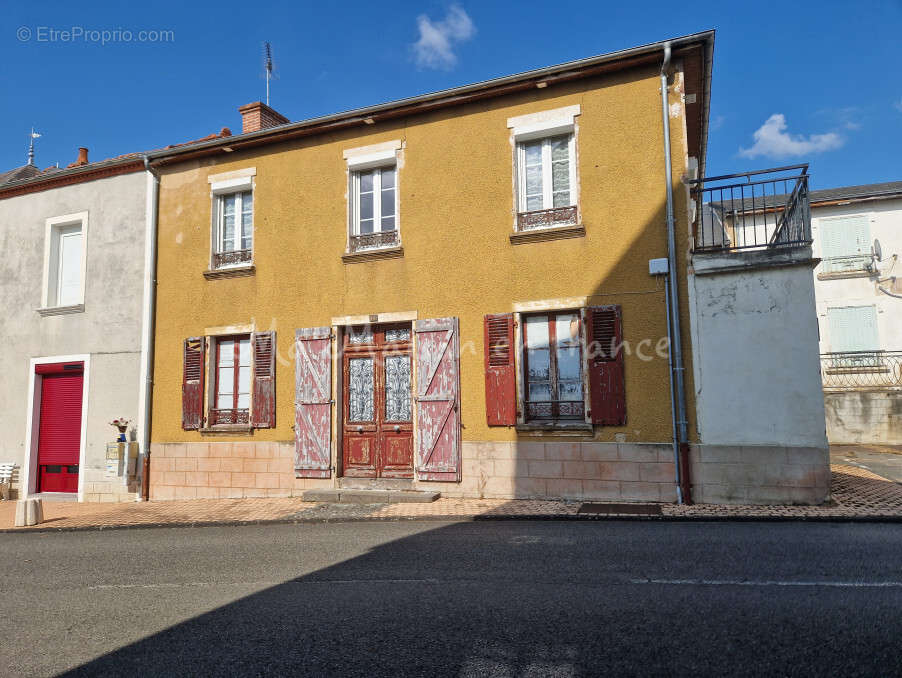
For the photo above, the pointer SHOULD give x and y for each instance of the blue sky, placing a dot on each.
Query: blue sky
(817, 81)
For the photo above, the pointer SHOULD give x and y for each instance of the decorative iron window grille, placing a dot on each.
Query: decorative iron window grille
(229, 417)
(233, 258)
(558, 216)
(372, 241)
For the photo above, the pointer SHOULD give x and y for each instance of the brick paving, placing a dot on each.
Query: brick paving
(856, 494)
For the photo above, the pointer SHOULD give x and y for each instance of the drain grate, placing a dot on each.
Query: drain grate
(622, 509)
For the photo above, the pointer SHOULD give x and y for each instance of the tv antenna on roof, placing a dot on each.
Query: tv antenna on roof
(267, 64)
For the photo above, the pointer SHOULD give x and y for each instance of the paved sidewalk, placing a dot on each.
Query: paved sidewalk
(857, 493)
(884, 460)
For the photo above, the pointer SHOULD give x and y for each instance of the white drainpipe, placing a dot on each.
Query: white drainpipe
(147, 312)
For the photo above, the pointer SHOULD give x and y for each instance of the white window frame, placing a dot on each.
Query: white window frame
(377, 198)
(544, 125)
(54, 231)
(221, 187)
(547, 177)
(384, 155)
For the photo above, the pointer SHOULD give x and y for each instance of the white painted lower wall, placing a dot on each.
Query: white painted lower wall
(866, 416)
(759, 398)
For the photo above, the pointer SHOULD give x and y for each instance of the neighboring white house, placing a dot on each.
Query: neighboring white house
(75, 298)
(857, 233)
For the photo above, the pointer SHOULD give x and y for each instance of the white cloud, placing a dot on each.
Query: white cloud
(772, 140)
(434, 49)
(717, 122)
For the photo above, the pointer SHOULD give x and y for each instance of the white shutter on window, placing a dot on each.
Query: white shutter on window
(853, 328)
(842, 238)
(69, 268)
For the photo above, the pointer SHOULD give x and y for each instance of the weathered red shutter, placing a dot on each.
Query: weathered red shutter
(438, 399)
(607, 389)
(193, 384)
(264, 395)
(500, 375)
(313, 403)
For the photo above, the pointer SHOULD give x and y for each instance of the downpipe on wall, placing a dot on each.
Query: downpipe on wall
(149, 315)
(678, 393)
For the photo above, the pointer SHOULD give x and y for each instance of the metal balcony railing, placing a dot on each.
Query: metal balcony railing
(755, 210)
(851, 370)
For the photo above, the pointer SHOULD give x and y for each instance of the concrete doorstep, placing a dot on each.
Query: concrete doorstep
(353, 496)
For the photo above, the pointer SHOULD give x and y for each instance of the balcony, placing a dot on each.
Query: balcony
(855, 370)
(764, 210)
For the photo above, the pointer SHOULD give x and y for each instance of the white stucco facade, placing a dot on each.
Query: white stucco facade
(103, 330)
(862, 405)
(884, 222)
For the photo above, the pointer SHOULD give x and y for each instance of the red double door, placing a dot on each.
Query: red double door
(59, 432)
(377, 422)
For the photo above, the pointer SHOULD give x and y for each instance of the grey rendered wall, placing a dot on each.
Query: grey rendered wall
(759, 401)
(109, 328)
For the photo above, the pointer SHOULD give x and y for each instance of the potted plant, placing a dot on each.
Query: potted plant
(121, 424)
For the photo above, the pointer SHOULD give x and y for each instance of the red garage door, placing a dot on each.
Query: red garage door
(60, 427)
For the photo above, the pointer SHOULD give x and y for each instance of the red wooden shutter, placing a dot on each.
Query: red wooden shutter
(263, 399)
(313, 403)
(607, 389)
(193, 384)
(500, 376)
(438, 400)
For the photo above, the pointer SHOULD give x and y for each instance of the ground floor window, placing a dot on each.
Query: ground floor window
(233, 380)
(553, 367)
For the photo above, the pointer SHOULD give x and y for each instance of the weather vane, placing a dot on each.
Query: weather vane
(34, 135)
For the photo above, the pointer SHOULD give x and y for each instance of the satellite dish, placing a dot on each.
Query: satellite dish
(877, 250)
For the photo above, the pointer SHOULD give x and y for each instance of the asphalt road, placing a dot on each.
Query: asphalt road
(421, 598)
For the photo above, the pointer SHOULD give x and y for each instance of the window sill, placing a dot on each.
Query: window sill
(61, 310)
(230, 272)
(373, 254)
(548, 233)
(841, 275)
(228, 429)
(555, 426)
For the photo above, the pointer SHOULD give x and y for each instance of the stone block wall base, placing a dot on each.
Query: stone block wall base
(518, 470)
(759, 474)
(577, 471)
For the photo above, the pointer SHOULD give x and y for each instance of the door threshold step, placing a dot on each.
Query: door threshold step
(347, 496)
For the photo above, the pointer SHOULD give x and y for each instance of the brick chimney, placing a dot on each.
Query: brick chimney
(82, 158)
(257, 116)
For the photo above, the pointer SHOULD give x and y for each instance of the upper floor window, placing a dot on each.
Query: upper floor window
(373, 197)
(545, 168)
(845, 243)
(64, 264)
(375, 207)
(234, 229)
(232, 238)
(545, 175)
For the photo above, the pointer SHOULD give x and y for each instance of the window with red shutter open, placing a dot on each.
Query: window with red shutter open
(553, 367)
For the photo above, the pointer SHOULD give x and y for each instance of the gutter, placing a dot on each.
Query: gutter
(148, 311)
